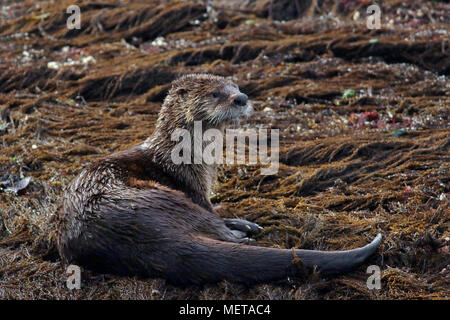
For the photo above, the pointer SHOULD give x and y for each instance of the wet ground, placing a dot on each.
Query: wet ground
(363, 118)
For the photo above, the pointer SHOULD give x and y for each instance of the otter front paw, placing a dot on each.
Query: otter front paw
(247, 227)
(241, 237)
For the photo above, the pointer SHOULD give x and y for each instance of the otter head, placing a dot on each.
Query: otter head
(208, 98)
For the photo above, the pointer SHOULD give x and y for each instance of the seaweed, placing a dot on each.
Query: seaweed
(351, 165)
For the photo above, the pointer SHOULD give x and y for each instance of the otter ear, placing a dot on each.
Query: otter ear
(181, 92)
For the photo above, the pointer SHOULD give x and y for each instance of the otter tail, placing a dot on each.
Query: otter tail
(209, 260)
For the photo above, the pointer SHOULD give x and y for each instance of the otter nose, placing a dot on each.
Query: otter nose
(240, 100)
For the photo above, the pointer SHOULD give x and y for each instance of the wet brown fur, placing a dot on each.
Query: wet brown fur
(136, 213)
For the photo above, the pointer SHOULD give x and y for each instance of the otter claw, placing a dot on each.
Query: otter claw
(246, 240)
(239, 234)
(241, 237)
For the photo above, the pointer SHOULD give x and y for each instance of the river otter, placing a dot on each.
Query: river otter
(136, 213)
